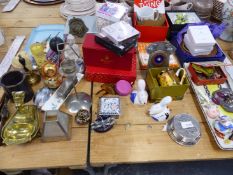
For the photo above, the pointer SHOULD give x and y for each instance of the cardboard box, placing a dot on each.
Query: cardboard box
(156, 92)
(95, 55)
(151, 33)
(109, 75)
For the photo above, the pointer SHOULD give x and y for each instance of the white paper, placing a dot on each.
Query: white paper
(7, 60)
(187, 124)
(10, 6)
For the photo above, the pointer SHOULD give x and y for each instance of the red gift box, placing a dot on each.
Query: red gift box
(108, 75)
(151, 33)
(198, 81)
(96, 55)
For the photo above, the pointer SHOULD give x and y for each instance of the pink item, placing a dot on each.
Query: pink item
(123, 88)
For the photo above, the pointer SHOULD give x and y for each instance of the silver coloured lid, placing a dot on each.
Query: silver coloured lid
(184, 129)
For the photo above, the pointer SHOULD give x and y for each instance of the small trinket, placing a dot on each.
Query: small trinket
(160, 111)
(140, 96)
(103, 123)
(51, 77)
(83, 116)
(77, 27)
(212, 111)
(184, 129)
(123, 88)
(107, 88)
(224, 98)
(223, 126)
(109, 106)
(159, 54)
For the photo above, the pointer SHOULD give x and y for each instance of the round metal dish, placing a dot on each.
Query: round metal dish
(184, 129)
(78, 101)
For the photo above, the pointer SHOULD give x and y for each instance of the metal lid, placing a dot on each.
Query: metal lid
(184, 129)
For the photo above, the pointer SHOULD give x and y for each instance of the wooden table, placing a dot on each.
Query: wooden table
(137, 138)
(36, 154)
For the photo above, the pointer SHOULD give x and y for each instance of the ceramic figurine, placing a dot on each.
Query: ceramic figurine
(223, 126)
(160, 111)
(212, 111)
(140, 96)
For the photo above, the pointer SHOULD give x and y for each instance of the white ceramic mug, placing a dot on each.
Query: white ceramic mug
(184, 6)
(145, 13)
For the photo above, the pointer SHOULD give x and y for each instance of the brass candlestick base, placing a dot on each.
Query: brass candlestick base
(33, 78)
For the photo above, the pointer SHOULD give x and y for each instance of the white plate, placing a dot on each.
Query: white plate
(64, 10)
(78, 8)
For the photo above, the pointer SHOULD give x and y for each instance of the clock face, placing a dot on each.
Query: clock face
(158, 59)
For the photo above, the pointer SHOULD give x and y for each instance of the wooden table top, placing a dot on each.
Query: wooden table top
(37, 154)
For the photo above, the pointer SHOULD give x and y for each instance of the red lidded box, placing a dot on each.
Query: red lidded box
(95, 55)
(108, 75)
(151, 33)
(198, 81)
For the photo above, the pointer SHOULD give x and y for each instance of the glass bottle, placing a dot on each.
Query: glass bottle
(203, 8)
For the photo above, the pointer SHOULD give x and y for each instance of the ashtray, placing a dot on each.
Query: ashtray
(78, 101)
(109, 106)
(184, 129)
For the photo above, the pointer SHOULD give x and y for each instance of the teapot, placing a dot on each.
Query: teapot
(170, 78)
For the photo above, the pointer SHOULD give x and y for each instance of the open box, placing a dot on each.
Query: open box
(156, 92)
(151, 33)
(200, 81)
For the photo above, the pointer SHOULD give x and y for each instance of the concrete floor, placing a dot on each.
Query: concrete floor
(218, 167)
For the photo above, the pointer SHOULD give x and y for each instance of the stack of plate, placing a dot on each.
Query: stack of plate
(78, 8)
(217, 9)
(184, 129)
(44, 2)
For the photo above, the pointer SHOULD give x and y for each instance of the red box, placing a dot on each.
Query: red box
(151, 33)
(199, 81)
(108, 75)
(96, 55)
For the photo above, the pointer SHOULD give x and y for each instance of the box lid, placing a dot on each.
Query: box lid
(89, 43)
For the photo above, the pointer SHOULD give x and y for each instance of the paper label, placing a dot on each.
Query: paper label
(156, 4)
(186, 125)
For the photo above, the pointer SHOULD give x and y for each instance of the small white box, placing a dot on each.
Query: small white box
(111, 11)
(195, 51)
(119, 32)
(201, 36)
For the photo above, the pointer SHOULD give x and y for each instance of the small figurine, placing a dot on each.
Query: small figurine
(139, 96)
(223, 127)
(212, 111)
(160, 111)
(107, 88)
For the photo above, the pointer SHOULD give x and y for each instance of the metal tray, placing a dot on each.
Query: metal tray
(220, 142)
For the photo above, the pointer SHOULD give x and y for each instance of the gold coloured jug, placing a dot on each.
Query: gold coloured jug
(171, 78)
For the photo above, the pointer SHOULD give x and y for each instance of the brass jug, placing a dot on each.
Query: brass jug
(170, 78)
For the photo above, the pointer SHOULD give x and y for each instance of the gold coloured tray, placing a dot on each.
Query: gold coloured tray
(22, 126)
(44, 3)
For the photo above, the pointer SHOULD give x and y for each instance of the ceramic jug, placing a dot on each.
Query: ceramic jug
(171, 78)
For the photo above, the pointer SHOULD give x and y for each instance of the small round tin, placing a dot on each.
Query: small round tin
(83, 116)
(184, 129)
